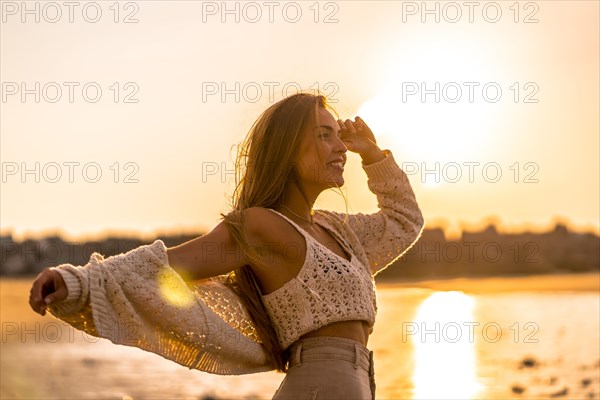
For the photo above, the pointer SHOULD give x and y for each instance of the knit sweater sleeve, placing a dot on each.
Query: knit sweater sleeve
(137, 299)
(389, 233)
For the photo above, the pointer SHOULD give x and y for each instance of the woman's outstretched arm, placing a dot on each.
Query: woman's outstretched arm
(209, 255)
(212, 254)
(137, 299)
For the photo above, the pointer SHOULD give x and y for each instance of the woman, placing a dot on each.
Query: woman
(290, 288)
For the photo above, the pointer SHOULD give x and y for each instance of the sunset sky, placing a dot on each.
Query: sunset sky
(514, 132)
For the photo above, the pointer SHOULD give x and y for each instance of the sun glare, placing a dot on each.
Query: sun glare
(437, 101)
(437, 131)
(445, 360)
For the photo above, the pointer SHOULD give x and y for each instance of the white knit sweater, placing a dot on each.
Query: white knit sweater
(137, 299)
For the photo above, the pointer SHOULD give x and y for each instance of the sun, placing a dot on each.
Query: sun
(435, 105)
(426, 130)
(442, 132)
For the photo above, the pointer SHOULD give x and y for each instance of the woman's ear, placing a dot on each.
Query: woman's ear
(293, 174)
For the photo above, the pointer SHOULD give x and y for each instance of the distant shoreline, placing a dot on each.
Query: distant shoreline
(584, 281)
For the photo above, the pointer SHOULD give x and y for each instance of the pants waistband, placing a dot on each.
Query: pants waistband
(349, 350)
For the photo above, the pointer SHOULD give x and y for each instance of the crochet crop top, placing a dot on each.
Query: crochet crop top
(327, 289)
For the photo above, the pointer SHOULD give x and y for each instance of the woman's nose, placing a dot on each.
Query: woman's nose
(341, 146)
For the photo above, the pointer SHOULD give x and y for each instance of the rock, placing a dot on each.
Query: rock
(528, 362)
(585, 382)
(518, 389)
(90, 362)
(560, 393)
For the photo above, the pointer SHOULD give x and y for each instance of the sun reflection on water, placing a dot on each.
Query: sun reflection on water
(443, 338)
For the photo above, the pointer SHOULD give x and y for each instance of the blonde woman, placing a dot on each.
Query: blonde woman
(276, 285)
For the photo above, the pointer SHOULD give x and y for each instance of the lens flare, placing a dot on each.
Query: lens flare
(174, 290)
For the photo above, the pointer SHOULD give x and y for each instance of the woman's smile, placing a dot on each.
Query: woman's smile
(337, 164)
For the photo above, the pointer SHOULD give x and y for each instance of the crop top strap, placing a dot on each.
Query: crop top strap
(306, 235)
(311, 241)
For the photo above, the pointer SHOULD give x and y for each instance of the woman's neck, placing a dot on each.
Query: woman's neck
(296, 206)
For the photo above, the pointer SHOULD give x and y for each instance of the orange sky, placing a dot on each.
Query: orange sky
(493, 110)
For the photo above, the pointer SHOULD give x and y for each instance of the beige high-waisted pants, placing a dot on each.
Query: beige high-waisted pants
(328, 367)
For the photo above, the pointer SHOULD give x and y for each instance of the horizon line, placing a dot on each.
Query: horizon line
(436, 223)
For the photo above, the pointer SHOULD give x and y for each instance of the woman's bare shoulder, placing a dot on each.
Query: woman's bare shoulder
(264, 225)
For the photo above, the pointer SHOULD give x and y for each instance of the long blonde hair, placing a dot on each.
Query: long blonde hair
(264, 166)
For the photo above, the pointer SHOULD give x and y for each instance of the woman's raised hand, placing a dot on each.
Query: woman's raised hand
(359, 138)
(48, 287)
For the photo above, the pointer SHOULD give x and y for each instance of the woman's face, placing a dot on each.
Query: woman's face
(321, 155)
